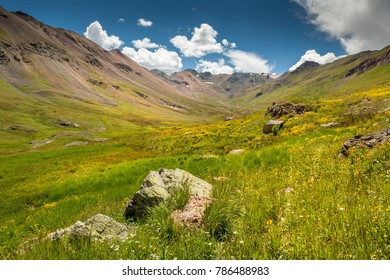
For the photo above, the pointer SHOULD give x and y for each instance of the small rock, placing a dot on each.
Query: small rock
(75, 144)
(228, 118)
(328, 125)
(237, 152)
(98, 228)
(95, 82)
(68, 123)
(268, 127)
(100, 139)
(40, 143)
(258, 94)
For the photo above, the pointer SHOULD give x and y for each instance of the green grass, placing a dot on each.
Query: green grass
(287, 197)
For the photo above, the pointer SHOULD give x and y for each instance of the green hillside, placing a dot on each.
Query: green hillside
(330, 81)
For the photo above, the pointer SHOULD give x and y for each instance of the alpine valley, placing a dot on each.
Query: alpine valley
(81, 127)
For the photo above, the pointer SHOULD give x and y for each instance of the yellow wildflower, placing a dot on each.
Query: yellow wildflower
(47, 205)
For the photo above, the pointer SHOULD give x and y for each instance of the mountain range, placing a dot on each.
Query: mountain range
(56, 83)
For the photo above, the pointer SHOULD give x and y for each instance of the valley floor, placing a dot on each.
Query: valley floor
(288, 196)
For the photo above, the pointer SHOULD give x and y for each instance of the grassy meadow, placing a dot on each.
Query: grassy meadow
(288, 196)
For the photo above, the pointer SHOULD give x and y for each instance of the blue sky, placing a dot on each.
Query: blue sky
(260, 36)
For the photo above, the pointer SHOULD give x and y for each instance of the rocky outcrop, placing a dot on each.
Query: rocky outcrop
(193, 212)
(369, 141)
(95, 82)
(4, 59)
(160, 185)
(98, 228)
(45, 50)
(370, 63)
(172, 105)
(144, 96)
(277, 110)
(124, 67)
(23, 51)
(90, 59)
(269, 126)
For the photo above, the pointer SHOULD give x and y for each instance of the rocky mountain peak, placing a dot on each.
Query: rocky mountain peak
(25, 16)
(192, 71)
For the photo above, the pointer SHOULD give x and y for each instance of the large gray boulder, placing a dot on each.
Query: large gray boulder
(159, 186)
(97, 228)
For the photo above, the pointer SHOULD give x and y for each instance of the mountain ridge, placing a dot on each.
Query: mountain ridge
(230, 85)
(50, 75)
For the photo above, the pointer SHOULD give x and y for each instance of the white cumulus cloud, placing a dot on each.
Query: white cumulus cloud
(312, 55)
(358, 24)
(214, 68)
(96, 34)
(248, 62)
(160, 58)
(202, 42)
(228, 44)
(145, 43)
(144, 22)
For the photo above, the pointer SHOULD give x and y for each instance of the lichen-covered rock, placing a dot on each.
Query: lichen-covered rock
(369, 141)
(159, 186)
(97, 228)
